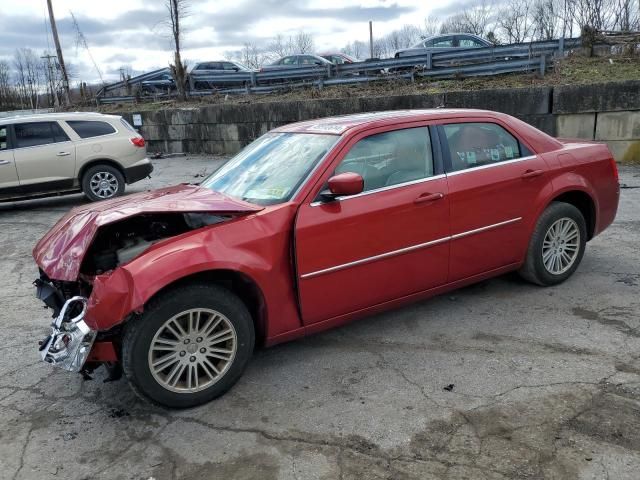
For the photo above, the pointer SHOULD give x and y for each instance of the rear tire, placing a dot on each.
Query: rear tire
(189, 346)
(556, 246)
(102, 182)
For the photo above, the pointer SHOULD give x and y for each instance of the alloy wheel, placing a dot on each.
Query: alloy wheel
(192, 350)
(561, 246)
(103, 184)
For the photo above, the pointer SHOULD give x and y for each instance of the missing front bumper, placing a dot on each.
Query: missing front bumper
(70, 341)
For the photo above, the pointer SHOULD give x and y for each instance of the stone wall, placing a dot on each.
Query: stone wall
(604, 112)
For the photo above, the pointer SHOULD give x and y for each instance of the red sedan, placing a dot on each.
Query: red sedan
(313, 225)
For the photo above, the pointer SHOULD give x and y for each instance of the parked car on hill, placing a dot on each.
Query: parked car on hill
(161, 83)
(224, 73)
(339, 58)
(312, 225)
(445, 42)
(59, 153)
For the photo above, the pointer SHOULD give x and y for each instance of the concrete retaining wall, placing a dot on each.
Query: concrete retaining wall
(605, 112)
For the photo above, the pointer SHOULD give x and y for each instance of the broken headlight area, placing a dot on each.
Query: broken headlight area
(120, 242)
(69, 343)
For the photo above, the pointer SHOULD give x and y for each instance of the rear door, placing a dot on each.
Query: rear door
(8, 172)
(494, 180)
(45, 157)
(385, 243)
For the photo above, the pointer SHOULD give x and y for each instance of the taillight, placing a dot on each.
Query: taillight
(614, 167)
(137, 141)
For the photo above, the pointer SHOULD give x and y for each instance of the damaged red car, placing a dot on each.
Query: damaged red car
(310, 226)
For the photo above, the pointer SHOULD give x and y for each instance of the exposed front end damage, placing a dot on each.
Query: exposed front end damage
(84, 253)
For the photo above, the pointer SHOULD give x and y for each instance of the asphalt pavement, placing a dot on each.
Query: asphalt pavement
(500, 380)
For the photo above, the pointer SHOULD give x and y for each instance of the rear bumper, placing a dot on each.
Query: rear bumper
(138, 171)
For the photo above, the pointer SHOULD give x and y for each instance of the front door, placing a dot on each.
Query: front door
(383, 244)
(493, 180)
(44, 156)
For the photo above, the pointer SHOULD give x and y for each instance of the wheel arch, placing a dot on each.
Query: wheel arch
(240, 284)
(584, 202)
(101, 161)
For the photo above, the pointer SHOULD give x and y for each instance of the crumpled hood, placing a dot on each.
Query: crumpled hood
(61, 251)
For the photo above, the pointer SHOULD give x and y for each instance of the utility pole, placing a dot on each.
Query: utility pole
(56, 40)
(370, 39)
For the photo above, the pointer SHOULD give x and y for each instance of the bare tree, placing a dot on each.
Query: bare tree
(431, 25)
(8, 97)
(178, 10)
(281, 46)
(357, 49)
(251, 56)
(28, 75)
(455, 24)
(544, 16)
(596, 14)
(514, 20)
(478, 18)
(626, 15)
(303, 42)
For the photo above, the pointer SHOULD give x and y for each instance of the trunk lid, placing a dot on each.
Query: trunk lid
(61, 251)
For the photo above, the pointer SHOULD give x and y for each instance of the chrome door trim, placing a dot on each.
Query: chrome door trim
(408, 249)
(491, 165)
(4, 162)
(484, 229)
(381, 189)
(376, 257)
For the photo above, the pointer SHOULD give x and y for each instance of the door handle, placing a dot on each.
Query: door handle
(532, 173)
(429, 197)
(63, 154)
(4, 162)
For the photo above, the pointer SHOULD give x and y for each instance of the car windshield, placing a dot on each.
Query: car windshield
(270, 170)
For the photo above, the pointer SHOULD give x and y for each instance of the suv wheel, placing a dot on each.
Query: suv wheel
(101, 182)
(556, 246)
(189, 346)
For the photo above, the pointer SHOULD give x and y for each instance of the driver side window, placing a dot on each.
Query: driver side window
(390, 158)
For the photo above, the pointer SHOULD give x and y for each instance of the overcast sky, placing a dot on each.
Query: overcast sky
(130, 32)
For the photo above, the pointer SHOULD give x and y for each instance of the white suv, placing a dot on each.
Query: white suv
(58, 153)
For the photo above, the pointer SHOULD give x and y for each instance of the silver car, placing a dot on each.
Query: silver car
(59, 153)
(445, 42)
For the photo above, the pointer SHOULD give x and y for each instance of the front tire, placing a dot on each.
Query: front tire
(190, 346)
(102, 182)
(556, 246)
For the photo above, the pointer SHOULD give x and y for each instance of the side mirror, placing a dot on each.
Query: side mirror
(343, 184)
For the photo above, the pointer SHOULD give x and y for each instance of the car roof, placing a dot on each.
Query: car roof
(340, 124)
(43, 117)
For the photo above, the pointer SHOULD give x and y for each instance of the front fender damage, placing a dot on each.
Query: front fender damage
(112, 299)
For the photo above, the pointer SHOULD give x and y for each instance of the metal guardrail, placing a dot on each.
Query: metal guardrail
(133, 81)
(444, 64)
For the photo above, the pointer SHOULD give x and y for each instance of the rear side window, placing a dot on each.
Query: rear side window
(88, 129)
(390, 158)
(477, 144)
(38, 133)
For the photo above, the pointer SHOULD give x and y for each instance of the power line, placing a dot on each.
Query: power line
(80, 39)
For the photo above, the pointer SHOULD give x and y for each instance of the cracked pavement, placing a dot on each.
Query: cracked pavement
(546, 382)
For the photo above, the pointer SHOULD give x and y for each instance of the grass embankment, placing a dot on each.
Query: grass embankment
(569, 71)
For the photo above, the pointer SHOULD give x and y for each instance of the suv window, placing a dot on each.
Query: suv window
(390, 158)
(3, 137)
(38, 133)
(476, 144)
(88, 129)
(289, 61)
(229, 66)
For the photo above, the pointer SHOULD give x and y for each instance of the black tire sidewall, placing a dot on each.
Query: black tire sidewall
(140, 331)
(91, 171)
(552, 214)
